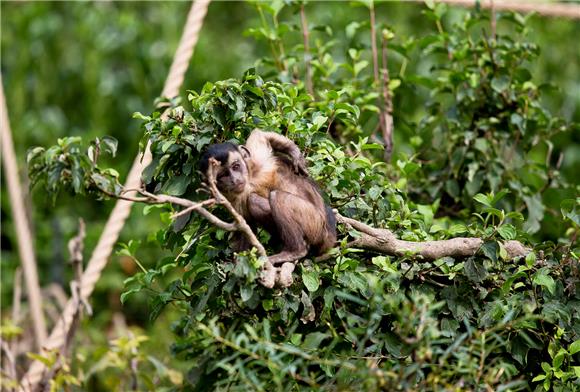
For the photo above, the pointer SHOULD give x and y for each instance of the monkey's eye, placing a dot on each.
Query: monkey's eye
(236, 166)
(223, 174)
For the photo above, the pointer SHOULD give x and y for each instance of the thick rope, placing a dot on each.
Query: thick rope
(24, 237)
(185, 48)
(122, 208)
(560, 10)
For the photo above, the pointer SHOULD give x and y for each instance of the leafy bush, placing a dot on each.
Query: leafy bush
(485, 121)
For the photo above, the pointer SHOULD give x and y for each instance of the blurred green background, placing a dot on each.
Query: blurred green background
(83, 68)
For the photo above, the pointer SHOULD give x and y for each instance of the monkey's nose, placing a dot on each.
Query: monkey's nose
(238, 187)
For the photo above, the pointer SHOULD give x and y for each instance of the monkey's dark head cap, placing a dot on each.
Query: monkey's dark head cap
(218, 151)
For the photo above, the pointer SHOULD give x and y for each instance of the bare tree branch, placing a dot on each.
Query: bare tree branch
(307, 66)
(384, 100)
(152, 198)
(543, 8)
(384, 241)
(208, 202)
(386, 115)
(75, 247)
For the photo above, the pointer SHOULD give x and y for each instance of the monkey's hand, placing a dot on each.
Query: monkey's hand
(299, 163)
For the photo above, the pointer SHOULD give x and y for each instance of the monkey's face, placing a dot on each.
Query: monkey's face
(232, 177)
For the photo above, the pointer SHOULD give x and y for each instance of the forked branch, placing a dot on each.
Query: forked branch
(240, 222)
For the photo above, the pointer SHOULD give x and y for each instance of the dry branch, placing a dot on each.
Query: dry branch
(384, 241)
(562, 10)
(385, 103)
(386, 115)
(307, 55)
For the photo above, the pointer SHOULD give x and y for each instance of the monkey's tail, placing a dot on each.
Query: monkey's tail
(331, 221)
(330, 218)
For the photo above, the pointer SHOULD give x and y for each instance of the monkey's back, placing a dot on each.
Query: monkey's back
(306, 188)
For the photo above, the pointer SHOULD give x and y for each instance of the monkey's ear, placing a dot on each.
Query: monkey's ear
(245, 152)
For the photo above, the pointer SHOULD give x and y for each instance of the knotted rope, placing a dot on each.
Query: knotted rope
(122, 208)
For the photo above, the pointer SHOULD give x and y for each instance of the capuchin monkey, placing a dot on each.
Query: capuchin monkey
(267, 183)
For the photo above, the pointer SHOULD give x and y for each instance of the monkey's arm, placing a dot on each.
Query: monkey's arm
(261, 142)
(259, 208)
(260, 212)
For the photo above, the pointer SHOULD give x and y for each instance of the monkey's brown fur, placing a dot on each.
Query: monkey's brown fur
(266, 182)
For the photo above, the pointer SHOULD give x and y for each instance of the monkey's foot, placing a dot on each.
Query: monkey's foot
(287, 257)
(272, 275)
(268, 276)
(284, 278)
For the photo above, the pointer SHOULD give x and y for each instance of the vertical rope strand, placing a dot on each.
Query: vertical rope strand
(122, 208)
(185, 49)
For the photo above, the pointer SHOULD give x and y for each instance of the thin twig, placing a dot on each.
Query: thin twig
(75, 248)
(16, 304)
(374, 44)
(17, 297)
(305, 34)
(493, 19)
(187, 210)
(386, 114)
(10, 359)
(214, 220)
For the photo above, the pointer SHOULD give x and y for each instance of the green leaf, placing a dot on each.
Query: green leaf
(530, 259)
(570, 210)
(312, 340)
(310, 279)
(500, 83)
(359, 66)
(452, 188)
(110, 144)
(502, 252)
(47, 361)
(246, 292)
(268, 304)
(500, 195)
(176, 186)
(546, 367)
(457, 228)
(474, 271)
(559, 358)
(507, 232)
(541, 278)
(490, 250)
(535, 209)
(351, 30)
(126, 294)
(318, 122)
(574, 347)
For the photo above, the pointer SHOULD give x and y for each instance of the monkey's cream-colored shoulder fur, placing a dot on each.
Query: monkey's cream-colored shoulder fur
(263, 164)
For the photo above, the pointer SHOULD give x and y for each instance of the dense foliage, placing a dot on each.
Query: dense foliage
(365, 321)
